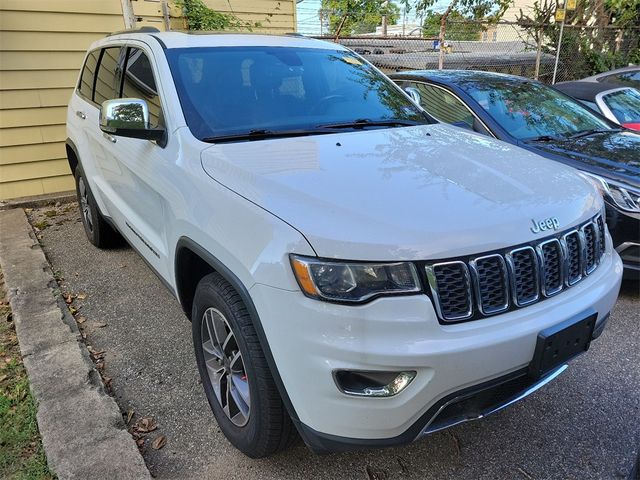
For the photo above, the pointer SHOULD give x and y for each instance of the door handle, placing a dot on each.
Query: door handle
(81, 114)
(111, 138)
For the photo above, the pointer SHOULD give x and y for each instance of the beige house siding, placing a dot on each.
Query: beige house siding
(42, 44)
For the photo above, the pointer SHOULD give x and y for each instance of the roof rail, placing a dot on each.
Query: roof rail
(145, 29)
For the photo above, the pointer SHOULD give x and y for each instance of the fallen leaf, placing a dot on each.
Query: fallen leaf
(3, 378)
(81, 296)
(140, 442)
(68, 297)
(73, 309)
(159, 442)
(106, 381)
(145, 425)
(130, 413)
(81, 319)
(99, 324)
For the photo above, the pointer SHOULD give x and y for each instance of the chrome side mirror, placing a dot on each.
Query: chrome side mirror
(128, 117)
(414, 94)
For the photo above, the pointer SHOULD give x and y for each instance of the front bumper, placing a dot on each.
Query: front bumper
(309, 339)
(625, 234)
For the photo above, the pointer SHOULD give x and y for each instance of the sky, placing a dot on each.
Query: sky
(309, 23)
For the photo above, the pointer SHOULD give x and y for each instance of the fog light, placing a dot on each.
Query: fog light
(372, 383)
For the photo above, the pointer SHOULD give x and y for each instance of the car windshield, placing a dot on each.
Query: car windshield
(624, 104)
(228, 92)
(530, 110)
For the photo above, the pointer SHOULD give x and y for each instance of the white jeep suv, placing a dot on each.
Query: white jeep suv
(353, 270)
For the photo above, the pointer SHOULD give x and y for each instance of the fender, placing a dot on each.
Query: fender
(72, 146)
(234, 281)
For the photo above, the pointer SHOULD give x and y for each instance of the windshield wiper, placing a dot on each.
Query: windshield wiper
(365, 122)
(542, 138)
(592, 131)
(262, 134)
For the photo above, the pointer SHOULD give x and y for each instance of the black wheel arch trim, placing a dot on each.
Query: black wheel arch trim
(69, 143)
(236, 283)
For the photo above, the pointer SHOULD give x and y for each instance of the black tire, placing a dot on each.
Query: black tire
(98, 231)
(267, 427)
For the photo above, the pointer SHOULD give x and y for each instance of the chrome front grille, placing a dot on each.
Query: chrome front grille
(551, 258)
(474, 287)
(491, 283)
(525, 284)
(454, 301)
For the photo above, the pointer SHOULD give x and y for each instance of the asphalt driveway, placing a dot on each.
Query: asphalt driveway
(586, 424)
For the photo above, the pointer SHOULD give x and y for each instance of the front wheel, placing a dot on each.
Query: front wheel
(98, 231)
(235, 375)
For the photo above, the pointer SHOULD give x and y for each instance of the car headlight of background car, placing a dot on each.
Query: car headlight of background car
(353, 282)
(623, 196)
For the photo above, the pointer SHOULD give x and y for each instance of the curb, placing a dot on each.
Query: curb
(38, 200)
(82, 429)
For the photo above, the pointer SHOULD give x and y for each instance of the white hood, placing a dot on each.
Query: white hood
(415, 193)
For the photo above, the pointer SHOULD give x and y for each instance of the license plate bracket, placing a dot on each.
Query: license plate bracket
(560, 343)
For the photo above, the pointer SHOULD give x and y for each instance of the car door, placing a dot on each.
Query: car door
(446, 107)
(133, 169)
(93, 156)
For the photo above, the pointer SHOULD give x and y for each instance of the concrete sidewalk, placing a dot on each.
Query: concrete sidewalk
(82, 429)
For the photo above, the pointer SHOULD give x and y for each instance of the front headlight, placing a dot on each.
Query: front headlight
(353, 282)
(622, 196)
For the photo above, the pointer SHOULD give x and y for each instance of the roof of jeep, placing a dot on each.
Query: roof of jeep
(179, 39)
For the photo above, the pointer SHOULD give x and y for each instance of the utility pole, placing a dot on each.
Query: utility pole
(128, 15)
(165, 15)
(384, 20)
(561, 14)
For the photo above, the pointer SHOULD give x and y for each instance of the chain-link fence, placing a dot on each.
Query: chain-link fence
(505, 47)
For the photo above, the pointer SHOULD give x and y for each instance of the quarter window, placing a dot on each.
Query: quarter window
(139, 82)
(108, 78)
(85, 87)
(442, 105)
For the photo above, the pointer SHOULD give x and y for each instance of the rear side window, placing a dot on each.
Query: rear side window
(139, 82)
(85, 87)
(109, 75)
(442, 105)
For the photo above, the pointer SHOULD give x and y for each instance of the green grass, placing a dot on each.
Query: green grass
(21, 454)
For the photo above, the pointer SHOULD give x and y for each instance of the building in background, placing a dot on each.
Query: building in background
(42, 44)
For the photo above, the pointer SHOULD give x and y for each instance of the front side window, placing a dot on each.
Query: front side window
(529, 110)
(139, 82)
(85, 87)
(443, 105)
(108, 78)
(227, 91)
(624, 104)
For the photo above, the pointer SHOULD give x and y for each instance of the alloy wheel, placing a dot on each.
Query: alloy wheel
(225, 367)
(84, 204)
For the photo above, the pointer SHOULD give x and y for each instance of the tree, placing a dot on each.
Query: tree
(201, 17)
(460, 29)
(595, 48)
(357, 16)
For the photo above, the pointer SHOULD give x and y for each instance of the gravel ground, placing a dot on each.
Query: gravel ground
(586, 424)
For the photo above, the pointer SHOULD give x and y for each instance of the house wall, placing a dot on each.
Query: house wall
(42, 44)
